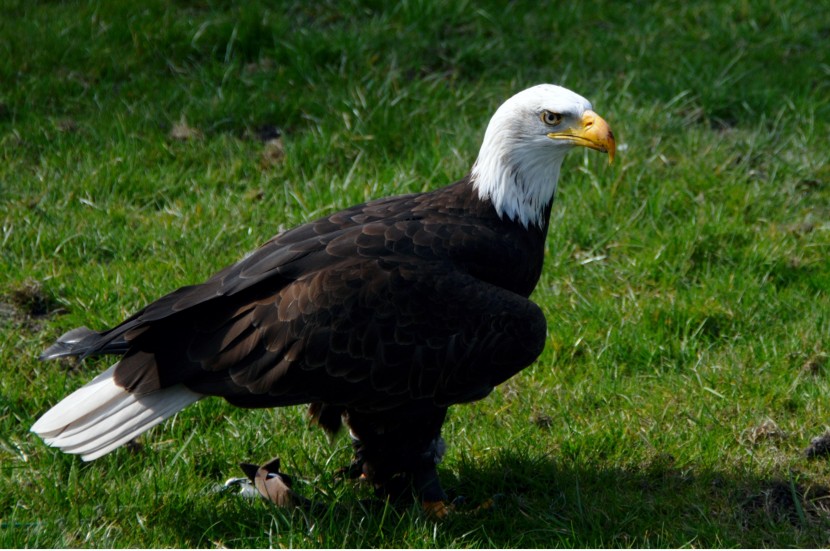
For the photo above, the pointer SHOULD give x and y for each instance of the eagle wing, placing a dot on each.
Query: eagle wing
(367, 334)
(362, 314)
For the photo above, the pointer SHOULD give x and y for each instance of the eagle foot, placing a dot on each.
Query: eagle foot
(438, 510)
(442, 509)
(352, 472)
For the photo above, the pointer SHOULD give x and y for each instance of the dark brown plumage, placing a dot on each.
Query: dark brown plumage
(383, 299)
(381, 315)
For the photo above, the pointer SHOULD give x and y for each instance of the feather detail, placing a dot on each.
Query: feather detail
(100, 416)
(67, 344)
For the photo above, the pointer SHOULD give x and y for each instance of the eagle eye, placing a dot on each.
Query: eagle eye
(550, 118)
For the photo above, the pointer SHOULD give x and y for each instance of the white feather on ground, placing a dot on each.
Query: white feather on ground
(100, 416)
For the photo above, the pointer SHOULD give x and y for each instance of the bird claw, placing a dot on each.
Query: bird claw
(440, 510)
(352, 472)
(487, 504)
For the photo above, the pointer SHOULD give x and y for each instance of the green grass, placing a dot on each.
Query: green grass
(687, 287)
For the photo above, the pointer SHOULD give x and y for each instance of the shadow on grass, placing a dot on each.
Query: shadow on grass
(540, 502)
(553, 502)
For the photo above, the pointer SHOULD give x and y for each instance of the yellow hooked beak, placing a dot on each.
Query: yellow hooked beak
(593, 132)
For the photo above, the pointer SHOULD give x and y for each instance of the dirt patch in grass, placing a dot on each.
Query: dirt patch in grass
(793, 502)
(819, 447)
(31, 299)
(767, 430)
(28, 305)
(815, 364)
(181, 131)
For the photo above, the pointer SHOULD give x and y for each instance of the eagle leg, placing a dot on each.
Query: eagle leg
(398, 452)
(355, 468)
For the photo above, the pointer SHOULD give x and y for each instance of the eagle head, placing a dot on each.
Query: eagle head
(525, 143)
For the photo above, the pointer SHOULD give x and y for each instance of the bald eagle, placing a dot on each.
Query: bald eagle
(380, 316)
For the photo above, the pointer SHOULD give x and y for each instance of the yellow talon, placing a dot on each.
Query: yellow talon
(437, 509)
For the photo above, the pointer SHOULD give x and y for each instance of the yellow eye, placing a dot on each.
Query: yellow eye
(551, 118)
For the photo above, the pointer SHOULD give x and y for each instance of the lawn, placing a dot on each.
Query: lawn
(143, 146)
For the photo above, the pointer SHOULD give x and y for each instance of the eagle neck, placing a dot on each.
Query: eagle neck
(520, 187)
(518, 251)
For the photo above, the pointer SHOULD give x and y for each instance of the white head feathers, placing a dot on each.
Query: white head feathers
(518, 165)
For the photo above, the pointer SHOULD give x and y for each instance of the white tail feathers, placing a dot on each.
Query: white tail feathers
(100, 416)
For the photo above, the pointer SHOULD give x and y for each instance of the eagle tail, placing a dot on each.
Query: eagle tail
(83, 341)
(100, 416)
(68, 344)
